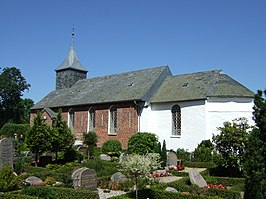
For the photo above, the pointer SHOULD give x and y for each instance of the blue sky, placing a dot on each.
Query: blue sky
(115, 36)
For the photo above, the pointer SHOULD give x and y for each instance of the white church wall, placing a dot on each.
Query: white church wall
(220, 110)
(157, 118)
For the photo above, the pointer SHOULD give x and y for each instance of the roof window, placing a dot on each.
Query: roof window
(185, 85)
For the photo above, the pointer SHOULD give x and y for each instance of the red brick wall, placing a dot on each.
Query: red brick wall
(127, 122)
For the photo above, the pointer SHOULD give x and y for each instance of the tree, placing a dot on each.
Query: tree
(164, 153)
(12, 86)
(90, 139)
(230, 144)
(61, 136)
(26, 106)
(203, 153)
(142, 143)
(140, 166)
(38, 138)
(255, 153)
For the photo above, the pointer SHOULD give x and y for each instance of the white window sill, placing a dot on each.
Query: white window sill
(175, 136)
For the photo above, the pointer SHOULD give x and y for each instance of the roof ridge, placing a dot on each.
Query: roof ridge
(215, 78)
(207, 71)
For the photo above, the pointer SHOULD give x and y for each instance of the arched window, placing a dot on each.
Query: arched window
(176, 120)
(91, 119)
(71, 118)
(112, 120)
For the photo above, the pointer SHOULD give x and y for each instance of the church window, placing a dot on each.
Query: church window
(112, 120)
(71, 118)
(176, 120)
(91, 120)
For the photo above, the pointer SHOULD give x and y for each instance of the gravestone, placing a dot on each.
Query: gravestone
(196, 178)
(34, 181)
(171, 158)
(6, 152)
(84, 178)
(105, 157)
(118, 177)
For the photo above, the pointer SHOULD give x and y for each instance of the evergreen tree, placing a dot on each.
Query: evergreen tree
(90, 139)
(38, 137)
(61, 136)
(164, 153)
(255, 153)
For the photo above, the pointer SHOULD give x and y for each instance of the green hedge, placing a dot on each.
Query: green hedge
(60, 192)
(224, 180)
(207, 165)
(16, 196)
(9, 129)
(178, 173)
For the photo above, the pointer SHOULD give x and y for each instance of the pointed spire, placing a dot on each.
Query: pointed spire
(71, 61)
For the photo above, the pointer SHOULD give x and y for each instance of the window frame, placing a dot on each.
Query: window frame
(112, 120)
(91, 120)
(176, 121)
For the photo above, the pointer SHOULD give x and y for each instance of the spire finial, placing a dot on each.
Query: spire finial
(73, 34)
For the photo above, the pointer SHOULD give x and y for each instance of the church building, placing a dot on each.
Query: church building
(181, 109)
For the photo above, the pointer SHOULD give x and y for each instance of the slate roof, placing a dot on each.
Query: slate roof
(136, 85)
(71, 61)
(200, 85)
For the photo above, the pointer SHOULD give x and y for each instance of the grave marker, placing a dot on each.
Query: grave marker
(196, 178)
(6, 152)
(171, 158)
(84, 178)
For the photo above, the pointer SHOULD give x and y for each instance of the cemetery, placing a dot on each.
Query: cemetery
(117, 174)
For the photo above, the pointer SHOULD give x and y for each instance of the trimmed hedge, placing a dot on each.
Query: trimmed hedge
(224, 180)
(11, 195)
(207, 165)
(9, 129)
(60, 192)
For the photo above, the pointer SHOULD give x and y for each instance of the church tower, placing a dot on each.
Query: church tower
(71, 70)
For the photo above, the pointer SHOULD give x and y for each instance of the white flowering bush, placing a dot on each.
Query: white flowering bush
(140, 166)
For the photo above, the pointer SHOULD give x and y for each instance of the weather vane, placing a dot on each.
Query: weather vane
(73, 33)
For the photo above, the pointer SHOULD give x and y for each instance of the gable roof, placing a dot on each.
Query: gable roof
(200, 85)
(135, 85)
(71, 61)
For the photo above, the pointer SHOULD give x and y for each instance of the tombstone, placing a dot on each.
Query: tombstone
(171, 158)
(105, 157)
(118, 177)
(171, 189)
(34, 181)
(196, 178)
(6, 152)
(84, 178)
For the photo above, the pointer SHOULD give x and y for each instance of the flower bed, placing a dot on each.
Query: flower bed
(176, 167)
(215, 186)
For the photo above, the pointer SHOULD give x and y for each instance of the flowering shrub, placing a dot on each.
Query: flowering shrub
(176, 167)
(215, 186)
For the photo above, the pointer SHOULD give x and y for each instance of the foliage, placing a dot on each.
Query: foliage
(203, 153)
(12, 195)
(182, 154)
(90, 139)
(208, 165)
(255, 153)
(10, 130)
(41, 192)
(26, 106)
(142, 143)
(139, 166)
(8, 181)
(49, 180)
(12, 86)
(21, 162)
(230, 144)
(38, 137)
(112, 147)
(60, 192)
(164, 154)
(61, 136)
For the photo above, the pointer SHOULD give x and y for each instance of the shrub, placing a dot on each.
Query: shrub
(42, 192)
(142, 143)
(200, 164)
(183, 154)
(49, 180)
(203, 153)
(112, 147)
(8, 181)
(90, 139)
(10, 129)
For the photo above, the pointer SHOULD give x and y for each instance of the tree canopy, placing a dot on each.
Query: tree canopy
(12, 86)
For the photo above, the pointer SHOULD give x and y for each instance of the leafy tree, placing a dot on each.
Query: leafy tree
(142, 143)
(255, 153)
(26, 106)
(61, 136)
(90, 139)
(8, 181)
(203, 153)
(12, 86)
(182, 154)
(164, 153)
(230, 144)
(38, 137)
(140, 166)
